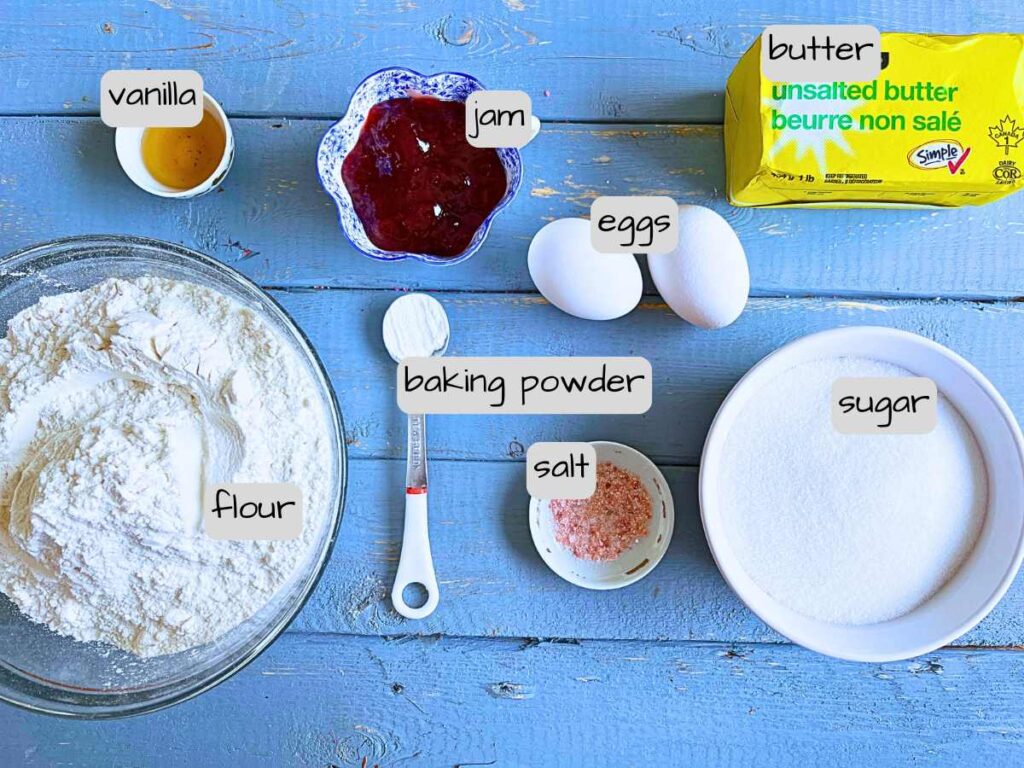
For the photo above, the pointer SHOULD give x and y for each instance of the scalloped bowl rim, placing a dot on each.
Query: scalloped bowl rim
(343, 200)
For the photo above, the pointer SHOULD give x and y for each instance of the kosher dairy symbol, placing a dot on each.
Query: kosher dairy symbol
(1006, 172)
(1006, 134)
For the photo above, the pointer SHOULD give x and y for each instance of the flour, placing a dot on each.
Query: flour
(118, 404)
(848, 529)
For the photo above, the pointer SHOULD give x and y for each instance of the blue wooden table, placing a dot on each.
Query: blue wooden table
(517, 667)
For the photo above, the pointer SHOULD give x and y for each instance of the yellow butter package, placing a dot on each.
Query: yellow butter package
(942, 125)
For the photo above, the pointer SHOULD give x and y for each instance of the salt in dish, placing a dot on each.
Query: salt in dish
(636, 561)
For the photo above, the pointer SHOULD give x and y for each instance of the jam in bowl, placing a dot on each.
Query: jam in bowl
(406, 182)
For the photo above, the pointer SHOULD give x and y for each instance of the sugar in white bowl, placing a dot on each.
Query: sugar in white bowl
(981, 579)
(847, 529)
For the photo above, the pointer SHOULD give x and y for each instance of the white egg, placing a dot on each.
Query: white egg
(577, 279)
(705, 280)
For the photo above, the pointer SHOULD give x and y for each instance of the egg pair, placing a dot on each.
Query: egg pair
(705, 280)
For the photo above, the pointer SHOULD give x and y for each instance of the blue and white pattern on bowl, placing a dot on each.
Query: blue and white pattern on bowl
(395, 83)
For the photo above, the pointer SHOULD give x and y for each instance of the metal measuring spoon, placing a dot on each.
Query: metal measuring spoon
(416, 325)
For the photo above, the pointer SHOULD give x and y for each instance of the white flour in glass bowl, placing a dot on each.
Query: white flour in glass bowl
(118, 403)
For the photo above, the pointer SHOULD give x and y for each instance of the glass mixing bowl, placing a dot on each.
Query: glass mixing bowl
(45, 672)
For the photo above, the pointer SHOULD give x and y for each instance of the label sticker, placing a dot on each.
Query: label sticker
(499, 119)
(602, 385)
(561, 470)
(151, 98)
(252, 511)
(819, 53)
(635, 224)
(906, 405)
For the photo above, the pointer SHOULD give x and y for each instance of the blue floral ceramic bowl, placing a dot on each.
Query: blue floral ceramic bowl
(393, 83)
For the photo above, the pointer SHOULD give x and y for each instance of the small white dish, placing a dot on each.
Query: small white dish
(637, 561)
(985, 574)
(128, 145)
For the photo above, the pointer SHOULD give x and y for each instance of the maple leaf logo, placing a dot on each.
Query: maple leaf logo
(1006, 134)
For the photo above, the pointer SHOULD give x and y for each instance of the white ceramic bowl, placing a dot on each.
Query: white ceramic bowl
(987, 572)
(637, 561)
(128, 145)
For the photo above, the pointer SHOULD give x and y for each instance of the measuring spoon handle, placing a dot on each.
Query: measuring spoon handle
(415, 566)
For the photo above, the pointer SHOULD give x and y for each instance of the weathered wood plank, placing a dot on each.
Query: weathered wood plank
(494, 583)
(693, 369)
(340, 701)
(334, 700)
(663, 60)
(272, 220)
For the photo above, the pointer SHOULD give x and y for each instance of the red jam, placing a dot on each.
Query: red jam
(416, 183)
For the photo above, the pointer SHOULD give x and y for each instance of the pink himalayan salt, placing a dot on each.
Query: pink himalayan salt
(608, 523)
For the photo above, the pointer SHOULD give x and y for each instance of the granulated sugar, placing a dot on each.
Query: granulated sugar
(848, 529)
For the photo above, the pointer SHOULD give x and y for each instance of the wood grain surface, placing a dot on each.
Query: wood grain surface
(271, 219)
(518, 667)
(658, 60)
(494, 583)
(440, 701)
(693, 369)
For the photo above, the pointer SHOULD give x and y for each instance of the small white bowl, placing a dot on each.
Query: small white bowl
(982, 578)
(128, 145)
(637, 561)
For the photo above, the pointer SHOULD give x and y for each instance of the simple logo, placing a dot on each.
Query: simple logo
(1006, 172)
(1006, 134)
(939, 153)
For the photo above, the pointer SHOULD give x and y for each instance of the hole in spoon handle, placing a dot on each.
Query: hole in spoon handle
(415, 566)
